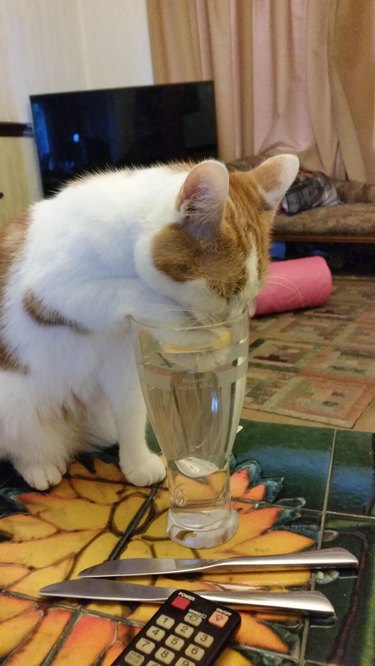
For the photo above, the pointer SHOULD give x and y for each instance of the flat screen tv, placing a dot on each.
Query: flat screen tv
(80, 132)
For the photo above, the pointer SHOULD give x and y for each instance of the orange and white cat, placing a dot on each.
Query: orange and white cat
(164, 244)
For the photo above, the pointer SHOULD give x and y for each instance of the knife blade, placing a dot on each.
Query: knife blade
(139, 566)
(314, 603)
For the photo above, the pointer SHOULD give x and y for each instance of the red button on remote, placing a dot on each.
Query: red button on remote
(181, 603)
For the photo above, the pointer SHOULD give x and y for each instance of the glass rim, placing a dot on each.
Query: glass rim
(188, 327)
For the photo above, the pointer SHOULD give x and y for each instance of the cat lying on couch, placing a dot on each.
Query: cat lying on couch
(174, 243)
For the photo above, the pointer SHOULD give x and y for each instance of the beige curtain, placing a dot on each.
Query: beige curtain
(290, 75)
(208, 39)
(352, 62)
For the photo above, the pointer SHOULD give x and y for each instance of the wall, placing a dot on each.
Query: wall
(57, 45)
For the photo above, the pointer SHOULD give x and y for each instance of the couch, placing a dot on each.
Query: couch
(351, 221)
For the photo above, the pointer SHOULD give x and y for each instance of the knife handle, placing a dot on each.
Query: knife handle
(311, 559)
(314, 603)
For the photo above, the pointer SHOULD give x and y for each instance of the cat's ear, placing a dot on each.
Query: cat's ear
(202, 198)
(274, 177)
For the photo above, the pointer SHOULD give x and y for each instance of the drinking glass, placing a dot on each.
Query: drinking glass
(193, 380)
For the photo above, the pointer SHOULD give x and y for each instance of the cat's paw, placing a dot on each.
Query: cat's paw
(151, 470)
(40, 477)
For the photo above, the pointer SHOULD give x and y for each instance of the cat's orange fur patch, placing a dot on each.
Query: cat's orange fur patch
(44, 316)
(12, 239)
(271, 178)
(9, 360)
(221, 259)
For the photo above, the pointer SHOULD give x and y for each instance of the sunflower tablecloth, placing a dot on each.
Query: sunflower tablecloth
(286, 490)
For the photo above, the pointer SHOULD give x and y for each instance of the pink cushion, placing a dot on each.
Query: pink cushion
(294, 284)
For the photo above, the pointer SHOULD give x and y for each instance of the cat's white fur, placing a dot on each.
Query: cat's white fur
(87, 257)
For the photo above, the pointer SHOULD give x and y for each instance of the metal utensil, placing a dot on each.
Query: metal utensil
(312, 559)
(313, 603)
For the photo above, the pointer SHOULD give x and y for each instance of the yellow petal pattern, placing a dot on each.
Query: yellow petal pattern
(10, 573)
(43, 639)
(253, 632)
(22, 527)
(11, 606)
(158, 528)
(136, 548)
(31, 584)
(98, 550)
(106, 493)
(13, 632)
(126, 511)
(108, 471)
(62, 512)
(82, 522)
(64, 490)
(38, 553)
(275, 542)
(232, 658)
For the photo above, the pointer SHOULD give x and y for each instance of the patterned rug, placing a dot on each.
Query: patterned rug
(317, 364)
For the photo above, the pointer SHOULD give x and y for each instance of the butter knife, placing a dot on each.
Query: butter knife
(138, 566)
(314, 603)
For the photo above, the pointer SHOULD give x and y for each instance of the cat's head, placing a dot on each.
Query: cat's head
(212, 258)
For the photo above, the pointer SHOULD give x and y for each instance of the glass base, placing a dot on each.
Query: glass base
(197, 532)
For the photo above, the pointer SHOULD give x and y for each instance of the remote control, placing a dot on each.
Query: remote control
(187, 630)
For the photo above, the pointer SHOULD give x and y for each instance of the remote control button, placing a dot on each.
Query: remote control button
(165, 621)
(218, 619)
(175, 642)
(193, 619)
(204, 639)
(184, 662)
(145, 646)
(164, 655)
(184, 630)
(134, 658)
(195, 652)
(181, 603)
(155, 633)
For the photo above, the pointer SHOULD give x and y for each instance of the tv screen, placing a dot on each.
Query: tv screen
(79, 132)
